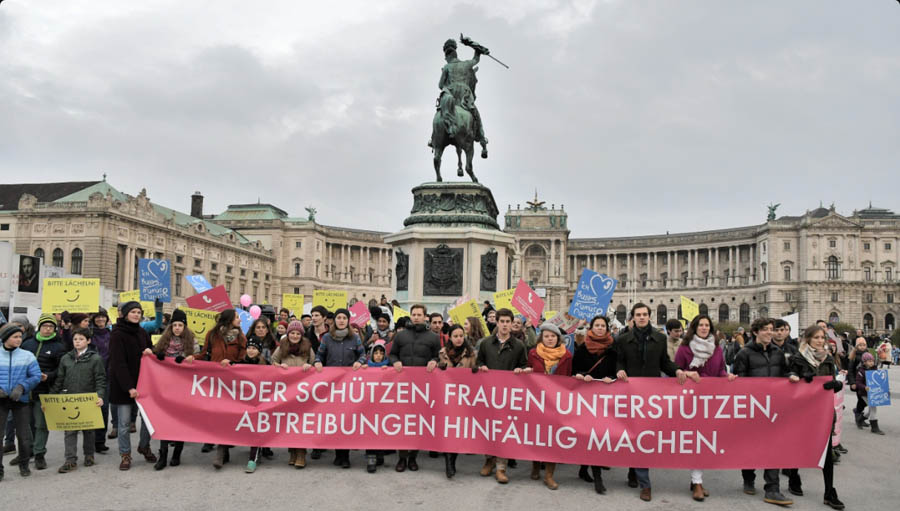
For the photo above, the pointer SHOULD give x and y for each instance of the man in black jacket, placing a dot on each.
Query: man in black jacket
(415, 346)
(759, 359)
(642, 351)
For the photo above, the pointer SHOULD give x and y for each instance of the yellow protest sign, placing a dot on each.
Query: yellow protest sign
(461, 313)
(292, 302)
(400, 313)
(72, 412)
(73, 295)
(689, 309)
(135, 296)
(155, 339)
(200, 322)
(503, 300)
(548, 315)
(330, 299)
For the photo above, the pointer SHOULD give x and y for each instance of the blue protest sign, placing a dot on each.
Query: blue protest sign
(198, 282)
(592, 295)
(155, 279)
(246, 320)
(879, 388)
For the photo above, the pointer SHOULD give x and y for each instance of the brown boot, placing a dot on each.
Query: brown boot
(301, 458)
(488, 467)
(645, 494)
(148, 454)
(219, 460)
(293, 460)
(126, 462)
(549, 468)
(535, 470)
(697, 492)
(501, 475)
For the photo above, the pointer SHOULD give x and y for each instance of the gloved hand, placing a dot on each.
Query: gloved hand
(158, 303)
(17, 393)
(3, 394)
(808, 378)
(179, 359)
(834, 385)
(161, 356)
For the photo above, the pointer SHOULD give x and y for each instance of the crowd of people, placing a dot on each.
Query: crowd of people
(74, 353)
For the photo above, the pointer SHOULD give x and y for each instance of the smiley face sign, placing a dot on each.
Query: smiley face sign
(330, 299)
(200, 322)
(71, 412)
(73, 295)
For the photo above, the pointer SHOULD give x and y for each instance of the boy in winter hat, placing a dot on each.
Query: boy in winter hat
(377, 354)
(19, 375)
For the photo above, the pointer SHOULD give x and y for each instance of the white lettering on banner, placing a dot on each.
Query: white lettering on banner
(330, 424)
(355, 391)
(655, 442)
(685, 406)
(506, 397)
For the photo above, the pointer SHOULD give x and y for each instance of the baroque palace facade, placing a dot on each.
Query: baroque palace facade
(820, 264)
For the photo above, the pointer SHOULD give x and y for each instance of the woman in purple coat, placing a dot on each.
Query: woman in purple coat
(700, 351)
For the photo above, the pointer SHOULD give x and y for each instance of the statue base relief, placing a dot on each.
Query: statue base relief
(452, 247)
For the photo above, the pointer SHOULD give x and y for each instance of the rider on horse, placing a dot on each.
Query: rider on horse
(458, 79)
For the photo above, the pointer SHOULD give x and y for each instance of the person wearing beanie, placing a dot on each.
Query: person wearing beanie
(867, 363)
(340, 348)
(71, 322)
(100, 331)
(128, 343)
(255, 357)
(261, 333)
(176, 342)
(47, 347)
(280, 330)
(295, 350)
(19, 375)
(549, 356)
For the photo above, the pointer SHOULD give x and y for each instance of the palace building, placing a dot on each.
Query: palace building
(821, 264)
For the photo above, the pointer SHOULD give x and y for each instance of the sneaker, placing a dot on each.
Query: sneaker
(749, 488)
(89, 461)
(775, 497)
(251, 467)
(39, 462)
(67, 467)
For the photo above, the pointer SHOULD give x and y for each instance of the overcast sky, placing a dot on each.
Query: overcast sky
(641, 117)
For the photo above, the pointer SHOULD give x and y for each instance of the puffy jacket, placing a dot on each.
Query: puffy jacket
(756, 361)
(47, 354)
(415, 346)
(343, 353)
(18, 367)
(801, 367)
(82, 374)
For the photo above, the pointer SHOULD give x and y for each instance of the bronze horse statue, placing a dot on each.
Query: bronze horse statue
(453, 125)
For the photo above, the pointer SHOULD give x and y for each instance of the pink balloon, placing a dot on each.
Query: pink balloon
(255, 311)
(246, 300)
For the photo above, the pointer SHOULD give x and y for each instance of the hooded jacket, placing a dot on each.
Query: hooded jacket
(18, 367)
(80, 374)
(47, 354)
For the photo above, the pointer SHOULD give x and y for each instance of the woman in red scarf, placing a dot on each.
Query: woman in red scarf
(595, 359)
(550, 356)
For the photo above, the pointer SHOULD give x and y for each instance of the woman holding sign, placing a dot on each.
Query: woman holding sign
(700, 351)
(550, 356)
(813, 361)
(595, 359)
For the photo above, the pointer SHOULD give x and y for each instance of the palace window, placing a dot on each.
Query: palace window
(177, 284)
(39, 253)
(867, 273)
(57, 257)
(834, 296)
(787, 273)
(868, 298)
(298, 244)
(867, 246)
(832, 243)
(77, 258)
(787, 246)
(887, 247)
(833, 268)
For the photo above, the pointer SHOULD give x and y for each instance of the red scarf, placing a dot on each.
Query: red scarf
(597, 345)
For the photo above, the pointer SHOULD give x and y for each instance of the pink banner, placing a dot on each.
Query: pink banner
(528, 302)
(215, 299)
(359, 314)
(644, 422)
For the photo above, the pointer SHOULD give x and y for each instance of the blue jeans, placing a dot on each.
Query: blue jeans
(124, 412)
(643, 477)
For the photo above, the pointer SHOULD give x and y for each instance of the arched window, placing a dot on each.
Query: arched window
(704, 309)
(723, 312)
(889, 322)
(745, 313)
(77, 256)
(834, 317)
(57, 257)
(868, 322)
(621, 311)
(535, 251)
(833, 268)
(39, 253)
(662, 315)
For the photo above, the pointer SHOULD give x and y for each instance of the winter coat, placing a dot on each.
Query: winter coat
(655, 358)
(47, 354)
(216, 349)
(714, 366)
(505, 356)
(464, 361)
(884, 352)
(756, 361)
(18, 367)
(79, 375)
(801, 367)
(860, 380)
(584, 362)
(563, 367)
(790, 350)
(293, 360)
(126, 346)
(415, 346)
(343, 353)
(100, 344)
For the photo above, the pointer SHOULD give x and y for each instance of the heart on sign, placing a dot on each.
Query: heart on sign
(601, 284)
(879, 377)
(157, 267)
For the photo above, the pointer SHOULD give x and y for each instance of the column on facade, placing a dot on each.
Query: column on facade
(730, 266)
(655, 278)
(552, 270)
(753, 264)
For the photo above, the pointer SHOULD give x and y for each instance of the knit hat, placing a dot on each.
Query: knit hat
(553, 328)
(285, 324)
(343, 311)
(868, 356)
(178, 315)
(65, 316)
(8, 330)
(253, 342)
(101, 313)
(77, 318)
(126, 307)
(295, 326)
(47, 318)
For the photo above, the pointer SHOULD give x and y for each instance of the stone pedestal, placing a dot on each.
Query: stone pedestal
(452, 246)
